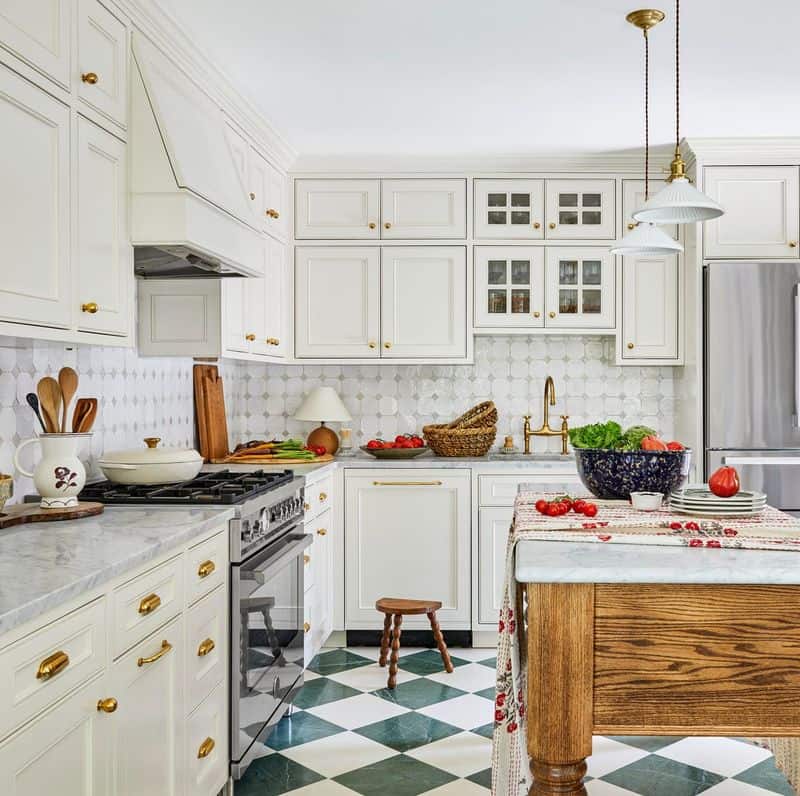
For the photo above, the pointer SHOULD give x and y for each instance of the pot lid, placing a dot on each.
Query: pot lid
(151, 454)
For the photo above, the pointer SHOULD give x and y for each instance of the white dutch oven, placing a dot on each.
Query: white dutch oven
(151, 465)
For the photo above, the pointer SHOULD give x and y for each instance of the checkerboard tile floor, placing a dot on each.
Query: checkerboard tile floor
(350, 735)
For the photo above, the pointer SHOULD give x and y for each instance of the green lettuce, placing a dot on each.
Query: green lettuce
(632, 438)
(596, 435)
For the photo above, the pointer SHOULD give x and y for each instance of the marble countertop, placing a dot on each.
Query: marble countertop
(45, 565)
(583, 562)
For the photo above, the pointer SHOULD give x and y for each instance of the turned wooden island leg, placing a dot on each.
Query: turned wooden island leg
(560, 676)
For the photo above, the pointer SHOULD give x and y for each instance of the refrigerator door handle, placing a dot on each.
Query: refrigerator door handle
(753, 460)
(796, 416)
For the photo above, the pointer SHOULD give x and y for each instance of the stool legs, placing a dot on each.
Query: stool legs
(398, 621)
(385, 638)
(439, 639)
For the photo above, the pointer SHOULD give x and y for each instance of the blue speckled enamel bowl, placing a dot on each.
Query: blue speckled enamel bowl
(613, 475)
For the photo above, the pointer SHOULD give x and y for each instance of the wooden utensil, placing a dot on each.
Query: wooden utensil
(84, 415)
(49, 402)
(33, 402)
(212, 425)
(68, 382)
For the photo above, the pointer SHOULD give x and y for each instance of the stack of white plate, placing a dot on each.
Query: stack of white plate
(699, 501)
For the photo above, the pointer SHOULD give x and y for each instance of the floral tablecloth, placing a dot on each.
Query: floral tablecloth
(616, 523)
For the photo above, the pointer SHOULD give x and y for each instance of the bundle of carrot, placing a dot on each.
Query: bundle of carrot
(285, 449)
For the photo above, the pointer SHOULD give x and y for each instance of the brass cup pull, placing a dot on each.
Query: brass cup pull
(387, 345)
(306, 506)
(631, 225)
(792, 244)
(387, 225)
(321, 531)
(52, 665)
(536, 225)
(323, 496)
(165, 648)
(250, 337)
(372, 225)
(206, 748)
(252, 196)
(537, 314)
(107, 705)
(551, 314)
(552, 225)
(149, 604)
(90, 77)
(151, 442)
(372, 344)
(89, 307)
(306, 559)
(306, 626)
(205, 647)
(205, 569)
(630, 345)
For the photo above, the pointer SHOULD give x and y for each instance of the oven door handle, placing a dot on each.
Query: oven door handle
(265, 571)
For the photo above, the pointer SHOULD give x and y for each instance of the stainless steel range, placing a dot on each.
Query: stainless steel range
(267, 590)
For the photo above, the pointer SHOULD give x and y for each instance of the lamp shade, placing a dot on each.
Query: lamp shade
(322, 404)
(647, 239)
(679, 202)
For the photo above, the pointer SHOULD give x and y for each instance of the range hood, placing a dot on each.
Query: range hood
(190, 216)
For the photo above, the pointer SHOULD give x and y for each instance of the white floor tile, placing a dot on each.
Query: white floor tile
(468, 711)
(608, 756)
(325, 787)
(458, 787)
(720, 755)
(309, 675)
(473, 653)
(370, 678)
(732, 787)
(598, 788)
(462, 754)
(358, 711)
(338, 753)
(472, 677)
(373, 652)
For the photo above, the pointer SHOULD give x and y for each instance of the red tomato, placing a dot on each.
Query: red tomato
(567, 501)
(675, 446)
(541, 505)
(579, 505)
(374, 443)
(387, 445)
(590, 509)
(399, 438)
(653, 444)
(724, 482)
(552, 510)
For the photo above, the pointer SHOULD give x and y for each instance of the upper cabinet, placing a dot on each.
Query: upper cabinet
(580, 288)
(404, 209)
(762, 213)
(509, 287)
(580, 209)
(509, 209)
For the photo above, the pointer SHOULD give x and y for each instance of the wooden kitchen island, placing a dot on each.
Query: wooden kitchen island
(635, 640)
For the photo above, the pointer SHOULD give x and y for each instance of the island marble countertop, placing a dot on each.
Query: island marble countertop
(592, 562)
(44, 565)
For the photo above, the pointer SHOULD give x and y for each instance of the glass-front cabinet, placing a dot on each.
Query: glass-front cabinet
(509, 286)
(509, 209)
(580, 209)
(580, 288)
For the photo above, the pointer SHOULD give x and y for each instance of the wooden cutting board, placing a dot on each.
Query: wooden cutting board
(269, 460)
(212, 423)
(22, 513)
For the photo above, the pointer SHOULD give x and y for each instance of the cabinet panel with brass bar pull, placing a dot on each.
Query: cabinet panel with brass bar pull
(165, 648)
(52, 665)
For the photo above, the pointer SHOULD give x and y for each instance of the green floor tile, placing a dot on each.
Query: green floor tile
(487, 693)
(395, 776)
(419, 693)
(321, 691)
(427, 662)
(487, 731)
(274, 775)
(660, 776)
(650, 743)
(407, 731)
(766, 775)
(336, 661)
(490, 662)
(483, 778)
(300, 728)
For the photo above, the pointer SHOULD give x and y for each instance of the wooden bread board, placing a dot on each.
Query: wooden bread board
(272, 460)
(212, 423)
(22, 513)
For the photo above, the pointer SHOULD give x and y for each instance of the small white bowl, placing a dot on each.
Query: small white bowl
(647, 501)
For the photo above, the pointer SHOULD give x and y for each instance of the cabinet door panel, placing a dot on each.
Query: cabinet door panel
(509, 286)
(258, 170)
(276, 193)
(493, 526)
(276, 300)
(762, 216)
(509, 209)
(235, 323)
(580, 209)
(423, 301)
(103, 51)
(423, 209)
(580, 288)
(105, 259)
(337, 209)
(34, 205)
(208, 727)
(337, 295)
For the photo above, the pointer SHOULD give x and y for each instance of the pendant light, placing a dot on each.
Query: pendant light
(679, 202)
(646, 238)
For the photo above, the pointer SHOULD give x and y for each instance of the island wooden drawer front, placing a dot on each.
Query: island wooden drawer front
(206, 645)
(145, 603)
(206, 566)
(318, 497)
(207, 745)
(73, 649)
(500, 490)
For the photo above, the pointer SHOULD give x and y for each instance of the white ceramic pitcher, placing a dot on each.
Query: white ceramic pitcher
(59, 477)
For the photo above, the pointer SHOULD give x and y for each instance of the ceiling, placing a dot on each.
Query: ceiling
(509, 77)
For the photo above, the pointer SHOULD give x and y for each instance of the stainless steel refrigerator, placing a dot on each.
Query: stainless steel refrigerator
(752, 376)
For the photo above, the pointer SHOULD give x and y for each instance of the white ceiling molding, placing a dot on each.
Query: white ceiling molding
(760, 151)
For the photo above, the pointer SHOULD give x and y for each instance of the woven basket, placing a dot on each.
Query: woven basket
(480, 416)
(472, 434)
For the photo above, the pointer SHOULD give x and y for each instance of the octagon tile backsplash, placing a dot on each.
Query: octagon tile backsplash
(142, 396)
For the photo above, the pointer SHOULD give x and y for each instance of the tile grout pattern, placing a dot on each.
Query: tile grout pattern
(432, 735)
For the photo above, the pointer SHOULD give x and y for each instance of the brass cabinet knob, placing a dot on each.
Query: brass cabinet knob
(108, 705)
(323, 496)
(273, 213)
(306, 506)
(630, 346)
(206, 748)
(631, 225)
(252, 195)
(536, 225)
(387, 225)
(89, 307)
(372, 225)
(205, 569)
(537, 314)
(552, 225)
(149, 604)
(551, 314)
(322, 531)
(89, 77)
(52, 665)
(372, 344)
(250, 337)
(387, 345)
(306, 558)
(306, 626)
(792, 244)
(206, 646)
(274, 341)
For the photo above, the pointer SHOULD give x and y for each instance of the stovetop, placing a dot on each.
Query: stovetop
(220, 488)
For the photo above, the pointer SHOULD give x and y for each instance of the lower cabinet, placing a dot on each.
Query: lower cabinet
(319, 575)
(206, 753)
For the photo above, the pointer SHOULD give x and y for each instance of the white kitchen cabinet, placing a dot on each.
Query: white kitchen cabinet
(267, 192)
(580, 209)
(102, 68)
(35, 205)
(421, 208)
(337, 302)
(39, 32)
(330, 209)
(276, 301)
(236, 332)
(650, 308)
(509, 287)
(321, 593)
(407, 535)
(105, 284)
(580, 288)
(762, 212)
(423, 301)
(206, 756)
(633, 199)
(509, 209)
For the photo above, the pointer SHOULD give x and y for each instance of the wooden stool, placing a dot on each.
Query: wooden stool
(396, 607)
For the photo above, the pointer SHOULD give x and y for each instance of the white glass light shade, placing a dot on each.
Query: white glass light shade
(679, 202)
(647, 239)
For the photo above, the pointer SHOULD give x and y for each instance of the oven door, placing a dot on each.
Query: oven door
(266, 643)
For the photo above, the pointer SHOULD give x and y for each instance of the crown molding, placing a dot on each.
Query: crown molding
(766, 150)
(164, 31)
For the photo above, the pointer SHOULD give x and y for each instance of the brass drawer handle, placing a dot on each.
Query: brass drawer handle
(206, 748)
(323, 496)
(306, 559)
(107, 705)
(306, 626)
(90, 77)
(306, 506)
(205, 569)
(165, 648)
(322, 531)
(52, 665)
(149, 604)
(205, 647)
(406, 483)
(90, 307)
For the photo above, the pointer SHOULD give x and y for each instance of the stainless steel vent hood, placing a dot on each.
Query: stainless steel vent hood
(177, 262)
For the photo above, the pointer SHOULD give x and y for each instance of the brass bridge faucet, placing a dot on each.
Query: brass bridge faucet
(545, 430)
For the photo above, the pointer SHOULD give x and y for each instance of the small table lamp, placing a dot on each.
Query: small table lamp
(323, 404)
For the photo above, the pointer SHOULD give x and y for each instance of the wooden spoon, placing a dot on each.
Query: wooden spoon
(85, 414)
(68, 382)
(49, 402)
